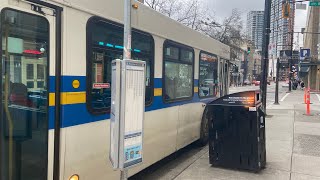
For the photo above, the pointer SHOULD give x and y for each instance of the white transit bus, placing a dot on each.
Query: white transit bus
(55, 87)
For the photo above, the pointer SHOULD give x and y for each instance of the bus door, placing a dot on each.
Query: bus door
(226, 77)
(28, 65)
(221, 76)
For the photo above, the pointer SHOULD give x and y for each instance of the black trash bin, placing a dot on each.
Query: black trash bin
(237, 132)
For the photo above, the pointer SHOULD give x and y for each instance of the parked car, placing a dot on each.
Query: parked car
(257, 83)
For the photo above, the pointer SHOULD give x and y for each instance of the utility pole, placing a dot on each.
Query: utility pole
(245, 74)
(291, 45)
(126, 51)
(265, 54)
(276, 100)
(276, 14)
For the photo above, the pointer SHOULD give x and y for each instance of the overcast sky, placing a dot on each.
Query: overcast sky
(223, 8)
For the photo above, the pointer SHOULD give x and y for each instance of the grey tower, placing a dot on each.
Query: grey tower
(255, 28)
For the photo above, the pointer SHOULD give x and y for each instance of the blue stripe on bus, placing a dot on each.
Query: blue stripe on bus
(51, 117)
(66, 85)
(77, 114)
(52, 84)
(157, 83)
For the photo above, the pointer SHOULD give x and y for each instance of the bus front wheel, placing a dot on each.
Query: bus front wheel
(204, 131)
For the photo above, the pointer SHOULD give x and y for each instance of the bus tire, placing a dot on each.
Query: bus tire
(204, 131)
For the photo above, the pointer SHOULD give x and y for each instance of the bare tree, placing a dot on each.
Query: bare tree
(189, 13)
(155, 4)
(193, 14)
(229, 32)
(166, 7)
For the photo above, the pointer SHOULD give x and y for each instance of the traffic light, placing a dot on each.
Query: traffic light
(248, 50)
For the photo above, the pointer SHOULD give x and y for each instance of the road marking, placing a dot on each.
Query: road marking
(318, 96)
(284, 97)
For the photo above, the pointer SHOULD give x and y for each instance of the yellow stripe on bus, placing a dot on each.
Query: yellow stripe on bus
(52, 99)
(80, 97)
(158, 92)
(73, 97)
(68, 98)
(196, 89)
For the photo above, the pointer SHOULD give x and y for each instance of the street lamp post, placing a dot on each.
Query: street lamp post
(292, 38)
(265, 54)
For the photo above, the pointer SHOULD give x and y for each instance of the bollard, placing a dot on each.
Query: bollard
(308, 102)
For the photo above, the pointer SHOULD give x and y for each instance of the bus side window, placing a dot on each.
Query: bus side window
(178, 72)
(105, 43)
(208, 75)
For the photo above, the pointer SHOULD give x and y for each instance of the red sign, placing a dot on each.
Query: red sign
(101, 85)
(29, 51)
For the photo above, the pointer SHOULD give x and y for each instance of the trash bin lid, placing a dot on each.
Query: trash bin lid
(246, 98)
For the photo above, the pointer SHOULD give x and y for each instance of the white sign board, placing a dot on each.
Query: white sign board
(127, 113)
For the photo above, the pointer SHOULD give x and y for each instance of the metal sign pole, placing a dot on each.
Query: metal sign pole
(127, 30)
(126, 51)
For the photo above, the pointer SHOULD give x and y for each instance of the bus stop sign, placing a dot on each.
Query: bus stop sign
(127, 113)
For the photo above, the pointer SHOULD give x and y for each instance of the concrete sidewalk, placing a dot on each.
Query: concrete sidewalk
(293, 146)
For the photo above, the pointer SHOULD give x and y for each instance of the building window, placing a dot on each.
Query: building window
(104, 44)
(208, 75)
(178, 72)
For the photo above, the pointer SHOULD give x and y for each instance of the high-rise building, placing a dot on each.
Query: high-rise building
(281, 28)
(281, 32)
(255, 28)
